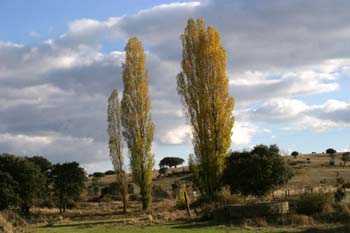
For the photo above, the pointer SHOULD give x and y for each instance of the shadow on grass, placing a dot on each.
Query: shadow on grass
(84, 224)
(192, 225)
(342, 229)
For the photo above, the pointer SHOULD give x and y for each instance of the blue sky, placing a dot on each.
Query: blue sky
(288, 66)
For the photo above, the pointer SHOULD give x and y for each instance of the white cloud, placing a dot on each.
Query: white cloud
(178, 135)
(243, 133)
(277, 52)
(34, 34)
(294, 114)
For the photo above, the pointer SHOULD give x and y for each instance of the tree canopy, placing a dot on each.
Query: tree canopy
(138, 127)
(22, 177)
(257, 172)
(203, 87)
(295, 154)
(116, 144)
(67, 183)
(171, 162)
(331, 151)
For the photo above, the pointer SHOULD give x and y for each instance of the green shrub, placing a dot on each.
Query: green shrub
(112, 191)
(163, 171)
(131, 189)
(340, 194)
(180, 197)
(313, 203)
(159, 193)
(109, 172)
(180, 201)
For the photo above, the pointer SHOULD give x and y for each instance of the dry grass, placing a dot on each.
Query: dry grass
(5, 225)
(296, 220)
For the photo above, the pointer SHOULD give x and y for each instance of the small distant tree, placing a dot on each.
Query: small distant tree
(67, 183)
(257, 172)
(295, 154)
(171, 162)
(331, 152)
(345, 158)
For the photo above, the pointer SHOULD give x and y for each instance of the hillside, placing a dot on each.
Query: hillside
(310, 171)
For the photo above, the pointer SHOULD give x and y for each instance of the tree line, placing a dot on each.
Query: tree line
(28, 181)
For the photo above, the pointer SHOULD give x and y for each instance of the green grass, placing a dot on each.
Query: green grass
(116, 226)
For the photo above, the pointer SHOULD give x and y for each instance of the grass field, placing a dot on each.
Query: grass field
(117, 226)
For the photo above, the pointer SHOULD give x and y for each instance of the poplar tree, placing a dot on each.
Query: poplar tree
(203, 87)
(136, 118)
(116, 146)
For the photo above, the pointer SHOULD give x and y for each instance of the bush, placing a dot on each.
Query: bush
(180, 197)
(163, 171)
(257, 172)
(131, 189)
(340, 194)
(112, 191)
(159, 193)
(180, 201)
(98, 174)
(109, 172)
(224, 197)
(313, 203)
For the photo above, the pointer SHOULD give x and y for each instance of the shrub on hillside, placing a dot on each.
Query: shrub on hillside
(345, 158)
(180, 197)
(98, 174)
(313, 203)
(131, 189)
(111, 191)
(109, 172)
(163, 171)
(257, 172)
(159, 193)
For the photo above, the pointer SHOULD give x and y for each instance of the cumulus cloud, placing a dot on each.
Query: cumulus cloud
(294, 114)
(55, 147)
(278, 53)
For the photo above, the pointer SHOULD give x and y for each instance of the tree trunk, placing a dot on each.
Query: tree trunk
(25, 209)
(124, 203)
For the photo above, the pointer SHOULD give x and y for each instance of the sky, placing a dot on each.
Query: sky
(288, 64)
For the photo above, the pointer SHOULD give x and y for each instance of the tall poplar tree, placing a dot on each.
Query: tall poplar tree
(203, 87)
(137, 122)
(116, 146)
